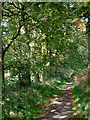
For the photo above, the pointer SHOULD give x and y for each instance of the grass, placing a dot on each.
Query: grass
(80, 91)
(26, 102)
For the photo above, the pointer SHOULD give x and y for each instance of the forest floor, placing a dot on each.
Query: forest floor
(56, 99)
(61, 108)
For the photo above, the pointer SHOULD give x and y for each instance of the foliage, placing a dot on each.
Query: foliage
(80, 91)
(26, 103)
(40, 39)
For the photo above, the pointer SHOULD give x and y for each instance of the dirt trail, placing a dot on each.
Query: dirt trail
(62, 108)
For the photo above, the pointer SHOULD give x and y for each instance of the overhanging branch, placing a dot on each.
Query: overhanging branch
(5, 50)
(15, 6)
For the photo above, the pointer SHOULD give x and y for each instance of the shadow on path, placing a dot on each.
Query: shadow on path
(62, 108)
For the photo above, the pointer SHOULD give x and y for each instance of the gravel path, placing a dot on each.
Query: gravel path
(62, 108)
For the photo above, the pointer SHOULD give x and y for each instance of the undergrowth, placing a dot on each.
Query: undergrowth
(25, 103)
(80, 91)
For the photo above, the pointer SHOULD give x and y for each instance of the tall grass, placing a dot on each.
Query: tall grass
(25, 103)
(81, 98)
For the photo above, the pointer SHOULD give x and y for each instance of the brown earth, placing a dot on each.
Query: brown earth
(61, 108)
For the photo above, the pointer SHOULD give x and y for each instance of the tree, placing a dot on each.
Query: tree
(43, 39)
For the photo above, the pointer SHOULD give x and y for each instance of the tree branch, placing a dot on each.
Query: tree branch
(9, 11)
(5, 50)
(15, 6)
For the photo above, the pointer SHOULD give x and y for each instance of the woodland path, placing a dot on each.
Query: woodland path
(62, 108)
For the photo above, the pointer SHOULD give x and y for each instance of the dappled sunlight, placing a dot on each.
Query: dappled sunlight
(66, 112)
(69, 83)
(66, 107)
(55, 98)
(56, 102)
(44, 47)
(61, 108)
(67, 88)
(47, 83)
(58, 81)
(68, 103)
(53, 110)
(59, 116)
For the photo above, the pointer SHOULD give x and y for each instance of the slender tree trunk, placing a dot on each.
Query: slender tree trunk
(56, 65)
(50, 63)
(88, 32)
(38, 78)
(29, 78)
(3, 77)
(29, 75)
(19, 76)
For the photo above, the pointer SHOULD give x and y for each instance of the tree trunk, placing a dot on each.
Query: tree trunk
(29, 77)
(88, 32)
(19, 76)
(3, 77)
(50, 63)
(56, 70)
